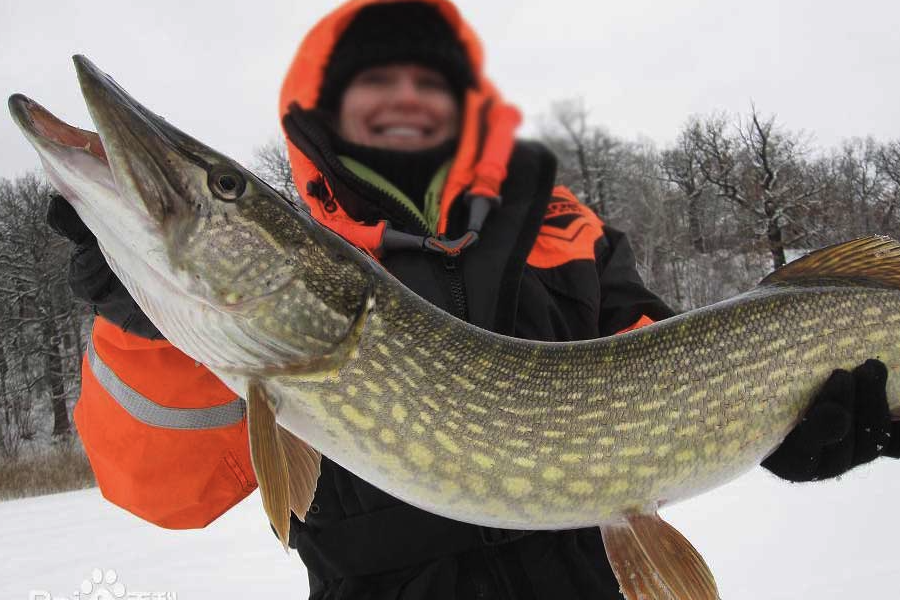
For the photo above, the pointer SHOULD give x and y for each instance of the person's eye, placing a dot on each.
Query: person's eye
(374, 78)
(434, 83)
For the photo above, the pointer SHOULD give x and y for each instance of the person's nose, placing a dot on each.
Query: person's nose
(406, 93)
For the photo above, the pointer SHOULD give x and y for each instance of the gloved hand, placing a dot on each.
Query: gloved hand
(848, 424)
(90, 277)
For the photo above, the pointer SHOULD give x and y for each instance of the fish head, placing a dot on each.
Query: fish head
(205, 247)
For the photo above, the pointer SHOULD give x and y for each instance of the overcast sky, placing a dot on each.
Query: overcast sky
(214, 69)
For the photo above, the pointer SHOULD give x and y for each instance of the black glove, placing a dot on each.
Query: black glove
(848, 424)
(90, 277)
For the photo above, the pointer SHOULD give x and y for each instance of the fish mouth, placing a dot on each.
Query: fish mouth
(42, 126)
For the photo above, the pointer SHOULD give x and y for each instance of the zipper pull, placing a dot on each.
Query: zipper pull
(316, 188)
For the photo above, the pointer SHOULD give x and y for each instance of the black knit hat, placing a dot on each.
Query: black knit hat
(382, 34)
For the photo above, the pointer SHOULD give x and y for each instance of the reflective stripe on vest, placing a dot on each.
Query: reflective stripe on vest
(149, 412)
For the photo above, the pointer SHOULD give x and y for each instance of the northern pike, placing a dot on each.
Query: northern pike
(335, 356)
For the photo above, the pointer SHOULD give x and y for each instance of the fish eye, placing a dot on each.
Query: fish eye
(226, 183)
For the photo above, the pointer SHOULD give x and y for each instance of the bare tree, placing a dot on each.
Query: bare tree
(591, 160)
(681, 166)
(271, 164)
(761, 169)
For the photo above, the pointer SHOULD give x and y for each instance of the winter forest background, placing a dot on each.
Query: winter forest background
(733, 197)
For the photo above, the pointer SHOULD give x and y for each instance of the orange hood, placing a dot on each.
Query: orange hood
(488, 125)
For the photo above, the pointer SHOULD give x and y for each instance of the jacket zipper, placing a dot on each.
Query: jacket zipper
(361, 187)
(458, 300)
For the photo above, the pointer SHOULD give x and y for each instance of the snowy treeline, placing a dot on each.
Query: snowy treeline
(719, 208)
(41, 327)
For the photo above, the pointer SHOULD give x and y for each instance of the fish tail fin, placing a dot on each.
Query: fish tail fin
(653, 561)
(873, 260)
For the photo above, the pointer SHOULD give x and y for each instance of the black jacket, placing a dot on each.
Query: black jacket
(359, 542)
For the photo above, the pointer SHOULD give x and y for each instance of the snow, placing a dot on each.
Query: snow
(762, 537)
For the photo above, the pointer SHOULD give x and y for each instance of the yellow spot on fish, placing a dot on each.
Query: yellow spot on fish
(685, 456)
(352, 414)
(516, 486)
(607, 441)
(524, 462)
(697, 396)
(554, 434)
(601, 470)
(449, 488)
(429, 401)
(384, 350)
(399, 413)
(475, 428)
(387, 436)
(877, 336)
(452, 468)
(476, 483)
(334, 398)
(373, 387)
(418, 428)
(571, 457)
(420, 455)
(352, 390)
(659, 429)
(646, 471)
(553, 473)
(630, 451)
(395, 387)
(482, 460)
(581, 488)
(709, 449)
(425, 417)
(618, 486)
(377, 366)
(475, 408)
(412, 364)
(445, 441)
(663, 450)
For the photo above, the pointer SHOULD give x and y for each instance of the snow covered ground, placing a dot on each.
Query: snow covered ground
(763, 538)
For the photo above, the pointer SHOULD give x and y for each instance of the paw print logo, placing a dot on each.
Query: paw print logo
(102, 586)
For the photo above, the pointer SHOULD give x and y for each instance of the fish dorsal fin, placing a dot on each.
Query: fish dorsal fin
(874, 259)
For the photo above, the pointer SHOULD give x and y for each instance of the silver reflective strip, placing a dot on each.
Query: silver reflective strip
(147, 411)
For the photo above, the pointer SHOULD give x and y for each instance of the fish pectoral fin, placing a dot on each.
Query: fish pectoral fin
(653, 561)
(304, 466)
(269, 461)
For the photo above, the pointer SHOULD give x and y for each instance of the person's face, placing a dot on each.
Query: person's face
(398, 107)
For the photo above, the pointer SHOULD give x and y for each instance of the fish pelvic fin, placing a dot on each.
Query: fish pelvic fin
(869, 260)
(269, 461)
(304, 466)
(653, 561)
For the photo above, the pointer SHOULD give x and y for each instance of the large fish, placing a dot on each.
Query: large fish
(336, 356)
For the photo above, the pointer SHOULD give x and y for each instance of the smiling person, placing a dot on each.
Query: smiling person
(399, 143)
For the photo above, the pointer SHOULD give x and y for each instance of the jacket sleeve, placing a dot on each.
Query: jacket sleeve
(166, 439)
(626, 303)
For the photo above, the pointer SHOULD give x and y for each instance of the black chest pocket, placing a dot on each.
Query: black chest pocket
(559, 304)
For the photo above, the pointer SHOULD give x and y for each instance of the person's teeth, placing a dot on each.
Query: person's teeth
(402, 131)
